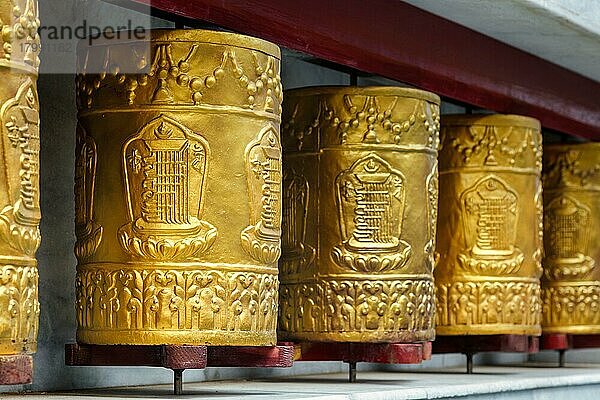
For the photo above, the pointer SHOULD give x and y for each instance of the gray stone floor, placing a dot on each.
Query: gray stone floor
(525, 381)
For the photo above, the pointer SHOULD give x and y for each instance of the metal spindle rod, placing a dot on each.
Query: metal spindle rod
(178, 381)
(469, 362)
(561, 357)
(352, 371)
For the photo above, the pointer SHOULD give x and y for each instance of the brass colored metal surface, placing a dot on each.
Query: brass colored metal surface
(177, 185)
(571, 281)
(359, 212)
(490, 226)
(19, 183)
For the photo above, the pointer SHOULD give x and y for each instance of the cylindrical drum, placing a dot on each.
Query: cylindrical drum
(178, 191)
(490, 226)
(19, 184)
(571, 282)
(359, 211)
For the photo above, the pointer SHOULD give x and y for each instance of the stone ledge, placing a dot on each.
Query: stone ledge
(528, 381)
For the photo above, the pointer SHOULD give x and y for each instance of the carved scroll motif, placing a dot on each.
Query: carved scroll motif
(172, 79)
(87, 231)
(490, 210)
(571, 305)
(564, 169)
(369, 119)
(374, 111)
(20, 39)
(261, 240)
(490, 145)
(172, 299)
(19, 307)
(567, 226)
(21, 142)
(482, 303)
(296, 254)
(165, 167)
(370, 200)
(538, 254)
(357, 306)
(432, 213)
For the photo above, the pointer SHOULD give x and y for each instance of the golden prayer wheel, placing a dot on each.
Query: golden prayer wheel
(571, 281)
(19, 185)
(359, 214)
(177, 189)
(490, 226)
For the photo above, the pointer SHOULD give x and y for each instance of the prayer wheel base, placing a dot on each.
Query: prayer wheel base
(556, 341)
(16, 369)
(469, 345)
(567, 341)
(354, 352)
(562, 342)
(384, 353)
(178, 358)
(486, 343)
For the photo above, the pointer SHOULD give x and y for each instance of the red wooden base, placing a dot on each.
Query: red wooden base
(486, 343)
(16, 370)
(556, 341)
(585, 341)
(386, 353)
(172, 357)
(248, 356)
(179, 358)
(352, 353)
(563, 341)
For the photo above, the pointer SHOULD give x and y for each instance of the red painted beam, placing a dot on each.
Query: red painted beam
(402, 42)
